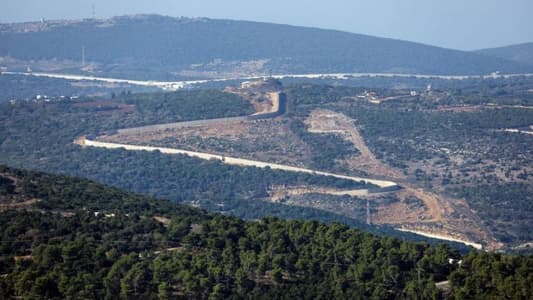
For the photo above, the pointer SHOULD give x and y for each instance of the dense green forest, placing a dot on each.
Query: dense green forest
(156, 47)
(72, 238)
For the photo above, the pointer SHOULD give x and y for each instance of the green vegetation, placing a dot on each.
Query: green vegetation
(85, 240)
(39, 136)
(449, 141)
(400, 136)
(492, 276)
(463, 153)
(451, 152)
(156, 108)
(24, 88)
(510, 208)
(325, 148)
(466, 152)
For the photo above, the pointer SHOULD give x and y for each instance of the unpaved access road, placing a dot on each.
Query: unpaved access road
(327, 121)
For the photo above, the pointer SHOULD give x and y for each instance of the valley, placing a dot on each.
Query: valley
(270, 142)
(149, 156)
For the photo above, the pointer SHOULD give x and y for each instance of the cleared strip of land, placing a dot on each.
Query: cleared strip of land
(278, 108)
(176, 125)
(231, 160)
(442, 237)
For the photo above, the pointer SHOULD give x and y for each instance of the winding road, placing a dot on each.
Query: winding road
(175, 85)
(230, 160)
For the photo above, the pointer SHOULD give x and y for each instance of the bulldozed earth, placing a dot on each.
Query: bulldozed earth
(411, 208)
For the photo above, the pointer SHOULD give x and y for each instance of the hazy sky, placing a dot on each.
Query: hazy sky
(459, 24)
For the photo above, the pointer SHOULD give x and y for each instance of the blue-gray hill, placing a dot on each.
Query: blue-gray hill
(522, 53)
(161, 46)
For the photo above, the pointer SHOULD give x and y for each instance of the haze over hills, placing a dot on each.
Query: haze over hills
(522, 53)
(157, 47)
(198, 158)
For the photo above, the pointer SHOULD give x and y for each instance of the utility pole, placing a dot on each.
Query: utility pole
(93, 11)
(368, 219)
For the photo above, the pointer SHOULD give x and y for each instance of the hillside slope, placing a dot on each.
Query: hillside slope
(72, 238)
(162, 47)
(522, 53)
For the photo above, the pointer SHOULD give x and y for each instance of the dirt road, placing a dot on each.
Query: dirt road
(230, 160)
(440, 211)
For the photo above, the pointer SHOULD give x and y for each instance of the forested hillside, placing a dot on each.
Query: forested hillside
(424, 135)
(39, 136)
(156, 47)
(72, 238)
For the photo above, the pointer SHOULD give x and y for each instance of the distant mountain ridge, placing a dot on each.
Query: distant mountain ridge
(522, 53)
(167, 46)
